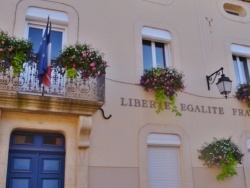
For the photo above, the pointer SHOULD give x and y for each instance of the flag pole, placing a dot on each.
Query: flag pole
(43, 91)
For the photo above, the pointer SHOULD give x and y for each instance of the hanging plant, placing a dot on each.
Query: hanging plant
(243, 93)
(82, 60)
(221, 153)
(14, 52)
(165, 82)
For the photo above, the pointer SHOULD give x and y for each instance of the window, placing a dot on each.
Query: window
(36, 20)
(241, 63)
(36, 23)
(35, 163)
(235, 10)
(163, 160)
(155, 47)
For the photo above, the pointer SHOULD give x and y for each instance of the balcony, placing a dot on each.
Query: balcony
(67, 96)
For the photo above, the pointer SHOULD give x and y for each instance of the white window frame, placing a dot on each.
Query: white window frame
(241, 51)
(161, 36)
(163, 143)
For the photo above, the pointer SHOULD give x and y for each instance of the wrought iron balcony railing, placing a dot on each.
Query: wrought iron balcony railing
(27, 83)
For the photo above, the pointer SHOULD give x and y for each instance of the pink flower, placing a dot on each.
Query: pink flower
(84, 54)
(1, 50)
(92, 64)
(93, 68)
(3, 41)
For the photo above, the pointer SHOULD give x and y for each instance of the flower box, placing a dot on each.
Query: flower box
(243, 93)
(14, 53)
(221, 153)
(166, 82)
(81, 60)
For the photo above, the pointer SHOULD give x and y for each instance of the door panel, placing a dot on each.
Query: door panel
(20, 183)
(36, 165)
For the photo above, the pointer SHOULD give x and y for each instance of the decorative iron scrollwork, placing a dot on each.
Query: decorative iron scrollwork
(27, 82)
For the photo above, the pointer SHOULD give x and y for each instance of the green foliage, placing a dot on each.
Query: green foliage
(13, 52)
(166, 82)
(160, 98)
(71, 73)
(223, 153)
(172, 101)
(17, 63)
(228, 166)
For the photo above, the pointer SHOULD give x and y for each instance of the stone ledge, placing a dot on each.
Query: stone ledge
(47, 104)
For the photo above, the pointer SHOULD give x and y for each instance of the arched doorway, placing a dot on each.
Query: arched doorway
(36, 159)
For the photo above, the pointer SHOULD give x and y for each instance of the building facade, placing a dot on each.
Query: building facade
(61, 138)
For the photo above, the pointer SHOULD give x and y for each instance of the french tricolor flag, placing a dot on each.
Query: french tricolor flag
(44, 58)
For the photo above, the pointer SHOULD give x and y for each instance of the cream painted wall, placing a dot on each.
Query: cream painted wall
(115, 145)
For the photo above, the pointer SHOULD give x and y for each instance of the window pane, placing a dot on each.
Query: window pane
(48, 183)
(21, 164)
(236, 70)
(20, 183)
(56, 43)
(244, 62)
(35, 36)
(51, 165)
(242, 72)
(20, 139)
(48, 140)
(241, 69)
(160, 54)
(147, 54)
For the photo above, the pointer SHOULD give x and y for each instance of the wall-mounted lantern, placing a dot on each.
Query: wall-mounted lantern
(224, 84)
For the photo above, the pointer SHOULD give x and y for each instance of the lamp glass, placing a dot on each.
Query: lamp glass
(224, 85)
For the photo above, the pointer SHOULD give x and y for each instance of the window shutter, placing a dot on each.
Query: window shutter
(163, 160)
(164, 169)
(38, 14)
(240, 50)
(151, 33)
(163, 139)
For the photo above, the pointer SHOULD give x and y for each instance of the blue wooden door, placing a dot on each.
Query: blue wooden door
(36, 160)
